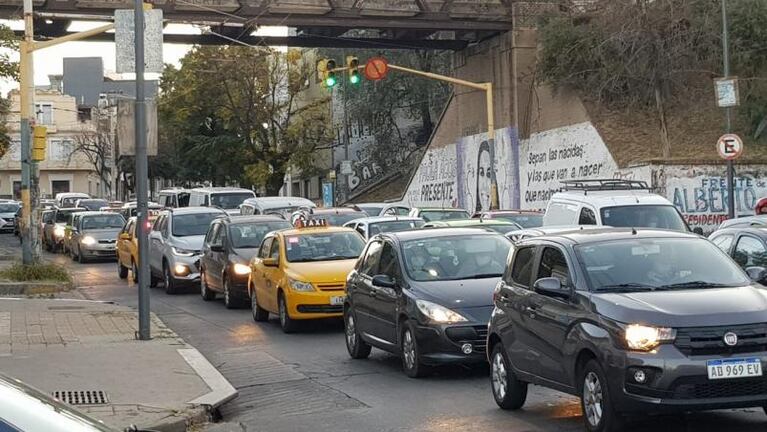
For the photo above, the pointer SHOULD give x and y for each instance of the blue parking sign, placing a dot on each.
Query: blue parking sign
(327, 194)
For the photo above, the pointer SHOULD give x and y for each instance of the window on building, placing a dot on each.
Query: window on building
(307, 188)
(16, 189)
(59, 186)
(15, 150)
(60, 150)
(44, 113)
(296, 189)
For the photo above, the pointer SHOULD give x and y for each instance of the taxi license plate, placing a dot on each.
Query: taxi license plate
(734, 368)
(337, 300)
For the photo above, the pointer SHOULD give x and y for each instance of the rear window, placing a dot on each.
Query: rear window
(439, 215)
(644, 216)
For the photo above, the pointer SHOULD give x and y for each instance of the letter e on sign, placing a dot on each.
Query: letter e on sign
(729, 146)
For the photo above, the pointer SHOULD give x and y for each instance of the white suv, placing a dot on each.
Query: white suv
(616, 203)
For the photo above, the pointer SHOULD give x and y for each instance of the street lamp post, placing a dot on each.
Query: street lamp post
(728, 113)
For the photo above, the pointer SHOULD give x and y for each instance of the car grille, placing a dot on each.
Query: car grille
(476, 335)
(320, 309)
(107, 241)
(710, 340)
(331, 286)
(703, 388)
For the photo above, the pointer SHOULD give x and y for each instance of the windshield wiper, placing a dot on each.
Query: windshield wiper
(695, 284)
(627, 287)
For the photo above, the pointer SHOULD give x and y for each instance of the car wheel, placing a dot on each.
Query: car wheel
(72, 255)
(598, 411)
(287, 323)
(358, 349)
(232, 300)
(509, 392)
(411, 357)
(122, 271)
(206, 293)
(80, 258)
(259, 314)
(134, 272)
(153, 281)
(171, 287)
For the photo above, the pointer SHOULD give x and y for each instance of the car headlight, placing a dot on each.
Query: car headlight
(88, 241)
(645, 338)
(241, 269)
(439, 314)
(300, 286)
(182, 252)
(58, 231)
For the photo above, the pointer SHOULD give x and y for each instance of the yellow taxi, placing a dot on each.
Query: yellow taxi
(300, 273)
(127, 250)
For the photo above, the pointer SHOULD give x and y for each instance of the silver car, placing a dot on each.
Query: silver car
(94, 235)
(8, 215)
(175, 245)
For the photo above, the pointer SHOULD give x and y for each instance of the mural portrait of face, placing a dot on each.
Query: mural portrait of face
(484, 173)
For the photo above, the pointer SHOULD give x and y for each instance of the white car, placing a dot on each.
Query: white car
(616, 203)
(370, 226)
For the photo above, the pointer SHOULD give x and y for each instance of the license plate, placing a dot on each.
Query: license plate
(337, 300)
(734, 368)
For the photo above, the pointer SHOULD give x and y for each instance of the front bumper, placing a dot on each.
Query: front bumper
(443, 343)
(677, 382)
(314, 305)
(189, 266)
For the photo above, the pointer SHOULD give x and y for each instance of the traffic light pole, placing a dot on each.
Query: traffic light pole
(30, 244)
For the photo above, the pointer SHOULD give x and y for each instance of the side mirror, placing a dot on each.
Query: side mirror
(383, 281)
(271, 262)
(216, 248)
(757, 274)
(125, 236)
(552, 287)
(698, 230)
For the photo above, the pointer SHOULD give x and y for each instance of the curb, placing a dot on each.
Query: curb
(32, 288)
(194, 416)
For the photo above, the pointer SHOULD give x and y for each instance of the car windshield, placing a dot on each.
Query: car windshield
(93, 205)
(229, 201)
(9, 208)
(323, 246)
(499, 228)
(63, 215)
(195, 224)
(468, 256)
(644, 216)
(69, 202)
(371, 210)
(438, 215)
(183, 199)
(526, 221)
(337, 219)
(650, 264)
(250, 235)
(394, 226)
(102, 222)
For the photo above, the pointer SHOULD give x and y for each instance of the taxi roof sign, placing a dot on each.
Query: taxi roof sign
(310, 223)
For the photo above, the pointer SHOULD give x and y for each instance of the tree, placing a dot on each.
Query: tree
(97, 147)
(9, 69)
(652, 55)
(232, 114)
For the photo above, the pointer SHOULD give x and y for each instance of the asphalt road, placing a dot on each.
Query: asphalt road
(307, 382)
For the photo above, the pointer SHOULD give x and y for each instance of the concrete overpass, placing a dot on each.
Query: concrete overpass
(414, 24)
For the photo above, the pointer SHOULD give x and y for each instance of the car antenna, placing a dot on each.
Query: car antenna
(633, 231)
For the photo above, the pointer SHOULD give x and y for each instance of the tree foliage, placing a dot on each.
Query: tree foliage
(9, 70)
(232, 114)
(96, 147)
(652, 54)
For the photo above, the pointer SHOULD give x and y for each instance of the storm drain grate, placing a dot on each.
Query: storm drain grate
(82, 397)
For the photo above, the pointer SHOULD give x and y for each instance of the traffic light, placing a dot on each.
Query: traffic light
(330, 77)
(39, 143)
(352, 64)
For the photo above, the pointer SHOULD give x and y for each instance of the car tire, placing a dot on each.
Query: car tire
(599, 414)
(72, 255)
(259, 314)
(357, 348)
(153, 281)
(171, 286)
(80, 258)
(410, 353)
(287, 323)
(205, 292)
(231, 300)
(508, 391)
(122, 271)
(134, 272)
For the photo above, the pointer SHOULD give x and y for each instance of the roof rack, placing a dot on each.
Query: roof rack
(604, 185)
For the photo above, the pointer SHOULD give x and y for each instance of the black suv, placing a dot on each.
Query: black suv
(631, 321)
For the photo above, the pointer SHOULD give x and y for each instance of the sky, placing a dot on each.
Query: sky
(49, 61)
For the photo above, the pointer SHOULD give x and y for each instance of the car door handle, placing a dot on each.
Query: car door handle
(531, 311)
(374, 292)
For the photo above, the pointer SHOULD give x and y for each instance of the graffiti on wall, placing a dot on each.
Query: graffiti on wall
(459, 174)
(566, 153)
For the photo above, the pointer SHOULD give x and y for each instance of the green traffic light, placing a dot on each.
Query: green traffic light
(354, 79)
(330, 81)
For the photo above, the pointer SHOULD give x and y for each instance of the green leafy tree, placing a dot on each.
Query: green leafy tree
(231, 114)
(9, 70)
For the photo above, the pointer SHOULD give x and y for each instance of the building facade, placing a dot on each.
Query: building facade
(63, 169)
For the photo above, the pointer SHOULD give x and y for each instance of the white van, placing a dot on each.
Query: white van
(68, 199)
(615, 203)
(278, 206)
(225, 198)
(174, 197)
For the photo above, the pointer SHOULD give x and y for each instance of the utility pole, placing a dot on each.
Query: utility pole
(142, 177)
(30, 182)
(728, 113)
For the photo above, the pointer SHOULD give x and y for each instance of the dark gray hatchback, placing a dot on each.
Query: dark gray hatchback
(631, 322)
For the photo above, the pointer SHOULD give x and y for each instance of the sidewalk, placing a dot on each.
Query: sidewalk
(76, 345)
